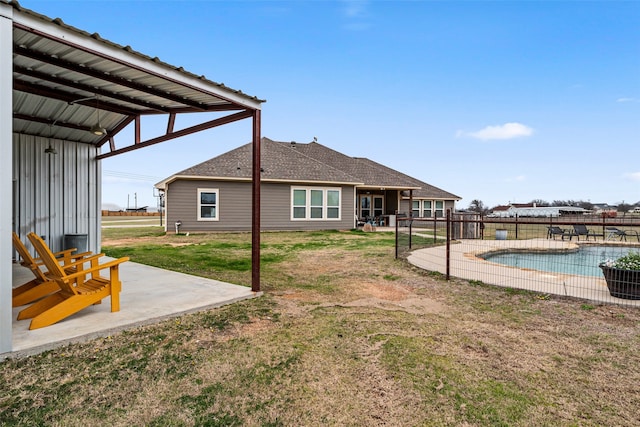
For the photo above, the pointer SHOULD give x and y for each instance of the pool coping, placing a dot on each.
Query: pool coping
(466, 263)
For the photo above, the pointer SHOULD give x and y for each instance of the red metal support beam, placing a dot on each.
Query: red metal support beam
(171, 122)
(136, 133)
(255, 223)
(187, 131)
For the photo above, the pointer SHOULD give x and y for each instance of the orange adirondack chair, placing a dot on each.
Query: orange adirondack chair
(77, 290)
(42, 284)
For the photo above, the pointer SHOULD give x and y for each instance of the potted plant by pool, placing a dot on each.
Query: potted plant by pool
(623, 276)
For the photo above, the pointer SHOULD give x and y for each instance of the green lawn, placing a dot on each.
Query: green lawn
(345, 334)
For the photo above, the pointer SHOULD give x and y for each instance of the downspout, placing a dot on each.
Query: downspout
(355, 207)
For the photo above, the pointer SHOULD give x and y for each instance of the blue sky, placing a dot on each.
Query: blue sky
(502, 101)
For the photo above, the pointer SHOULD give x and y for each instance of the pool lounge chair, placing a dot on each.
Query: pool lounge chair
(553, 231)
(613, 232)
(582, 230)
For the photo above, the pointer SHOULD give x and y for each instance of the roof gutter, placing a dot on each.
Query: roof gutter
(162, 184)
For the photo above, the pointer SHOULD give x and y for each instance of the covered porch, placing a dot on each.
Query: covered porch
(379, 206)
(68, 100)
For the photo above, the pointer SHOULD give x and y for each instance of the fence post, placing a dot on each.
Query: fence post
(516, 226)
(410, 229)
(397, 222)
(435, 227)
(447, 257)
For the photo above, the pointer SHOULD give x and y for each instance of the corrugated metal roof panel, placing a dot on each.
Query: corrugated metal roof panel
(56, 64)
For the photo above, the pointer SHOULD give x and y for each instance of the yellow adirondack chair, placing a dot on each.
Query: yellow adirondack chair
(77, 290)
(42, 284)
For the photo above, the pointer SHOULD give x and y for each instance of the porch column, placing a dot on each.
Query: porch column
(6, 172)
(255, 222)
(411, 204)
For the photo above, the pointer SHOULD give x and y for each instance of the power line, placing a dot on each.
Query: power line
(133, 176)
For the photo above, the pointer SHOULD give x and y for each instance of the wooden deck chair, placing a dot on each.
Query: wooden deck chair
(42, 284)
(77, 290)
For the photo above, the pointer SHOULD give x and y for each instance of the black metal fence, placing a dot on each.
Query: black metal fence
(552, 255)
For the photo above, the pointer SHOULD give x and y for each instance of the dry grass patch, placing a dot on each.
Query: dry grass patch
(345, 335)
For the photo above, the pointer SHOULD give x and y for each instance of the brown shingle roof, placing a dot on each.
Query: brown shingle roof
(354, 166)
(279, 161)
(426, 190)
(309, 162)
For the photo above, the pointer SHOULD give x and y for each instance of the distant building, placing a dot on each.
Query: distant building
(605, 210)
(531, 210)
(142, 209)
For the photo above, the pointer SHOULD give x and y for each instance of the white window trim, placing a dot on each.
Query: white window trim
(209, 190)
(325, 207)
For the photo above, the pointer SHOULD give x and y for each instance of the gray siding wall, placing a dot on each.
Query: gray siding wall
(56, 194)
(234, 200)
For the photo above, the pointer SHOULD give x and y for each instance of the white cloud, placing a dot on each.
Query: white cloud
(627, 100)
(355, 8)
(505, 131)
(518, 178)
(634, 176)
(356, 13)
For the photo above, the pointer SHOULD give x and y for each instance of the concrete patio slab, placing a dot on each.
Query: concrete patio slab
(149, 294)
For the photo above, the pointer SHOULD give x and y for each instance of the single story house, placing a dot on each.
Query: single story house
(305, 186)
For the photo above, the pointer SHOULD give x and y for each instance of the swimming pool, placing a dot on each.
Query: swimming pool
(583, 262)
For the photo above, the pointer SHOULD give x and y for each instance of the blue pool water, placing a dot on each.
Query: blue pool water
(583, 262)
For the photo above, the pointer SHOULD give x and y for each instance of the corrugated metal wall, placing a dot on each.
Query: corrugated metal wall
(56, 194)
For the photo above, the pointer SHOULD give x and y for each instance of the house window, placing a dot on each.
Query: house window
(427, 209)
(415, 208)
(333, 204)
(365, 207)
(207, 204)
(378, 202)
(299, 204)
(439, 208)
(315, 203)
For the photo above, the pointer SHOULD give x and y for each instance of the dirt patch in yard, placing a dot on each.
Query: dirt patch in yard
(345, 334)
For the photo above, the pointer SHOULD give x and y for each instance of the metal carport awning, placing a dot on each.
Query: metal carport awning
(62, 79)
